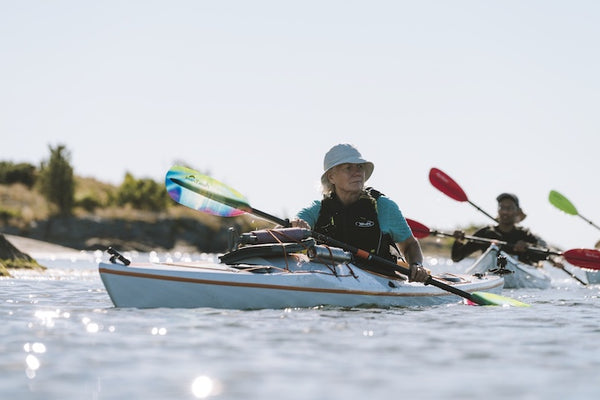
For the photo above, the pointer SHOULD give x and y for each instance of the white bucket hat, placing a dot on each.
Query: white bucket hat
(342, 154)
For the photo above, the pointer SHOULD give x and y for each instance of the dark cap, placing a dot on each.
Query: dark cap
(508, 196)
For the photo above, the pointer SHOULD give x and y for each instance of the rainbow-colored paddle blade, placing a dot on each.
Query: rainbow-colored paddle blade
(203, 193)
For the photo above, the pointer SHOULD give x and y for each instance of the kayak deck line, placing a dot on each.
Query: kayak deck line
(146, 275)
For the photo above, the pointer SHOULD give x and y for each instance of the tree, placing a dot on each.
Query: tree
(24, 173)
(143, 194)
(57, 183)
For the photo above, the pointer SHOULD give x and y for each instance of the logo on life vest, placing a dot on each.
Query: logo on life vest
(365, 224)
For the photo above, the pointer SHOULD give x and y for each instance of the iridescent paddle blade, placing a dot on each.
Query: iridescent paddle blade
(492, 299)
(203, 193)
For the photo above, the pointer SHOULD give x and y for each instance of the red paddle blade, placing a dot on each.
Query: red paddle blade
(419, 230)
(584, 258)
(446, 185)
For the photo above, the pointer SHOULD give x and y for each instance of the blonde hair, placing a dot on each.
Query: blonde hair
(327, 188)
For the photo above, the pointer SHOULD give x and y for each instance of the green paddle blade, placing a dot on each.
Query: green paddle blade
(492, 299)
(561, 202)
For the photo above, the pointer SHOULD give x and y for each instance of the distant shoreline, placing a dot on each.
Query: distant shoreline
(35, 247)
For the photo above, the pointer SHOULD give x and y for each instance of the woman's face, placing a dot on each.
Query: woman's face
(348, 177)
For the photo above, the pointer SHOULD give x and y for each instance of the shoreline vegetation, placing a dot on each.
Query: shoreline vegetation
(35, 230)
(126, 229)
(55, 207)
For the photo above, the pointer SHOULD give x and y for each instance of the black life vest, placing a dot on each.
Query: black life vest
(356, 224)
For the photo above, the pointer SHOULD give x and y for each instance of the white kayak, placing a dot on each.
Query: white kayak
(593, 277)
(274, 276)
(516, 274)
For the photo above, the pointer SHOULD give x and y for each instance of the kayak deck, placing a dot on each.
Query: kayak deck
(516, 274)
(272, 283)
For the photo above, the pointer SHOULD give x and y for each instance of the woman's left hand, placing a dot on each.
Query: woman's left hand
(418, 273)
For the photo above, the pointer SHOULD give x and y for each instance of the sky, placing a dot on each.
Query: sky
(503, 96)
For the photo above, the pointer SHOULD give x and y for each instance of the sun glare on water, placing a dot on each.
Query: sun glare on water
(204, 386)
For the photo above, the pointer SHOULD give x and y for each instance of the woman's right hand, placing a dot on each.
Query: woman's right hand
(300, 223)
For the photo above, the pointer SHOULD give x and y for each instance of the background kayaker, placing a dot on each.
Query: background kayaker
(507, 230)
(362, 217)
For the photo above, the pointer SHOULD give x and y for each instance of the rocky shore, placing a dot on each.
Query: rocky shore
(12, 257)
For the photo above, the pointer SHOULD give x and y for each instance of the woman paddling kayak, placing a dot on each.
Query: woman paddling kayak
(362, 217)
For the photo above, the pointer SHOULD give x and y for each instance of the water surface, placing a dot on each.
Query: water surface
(63, 339)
